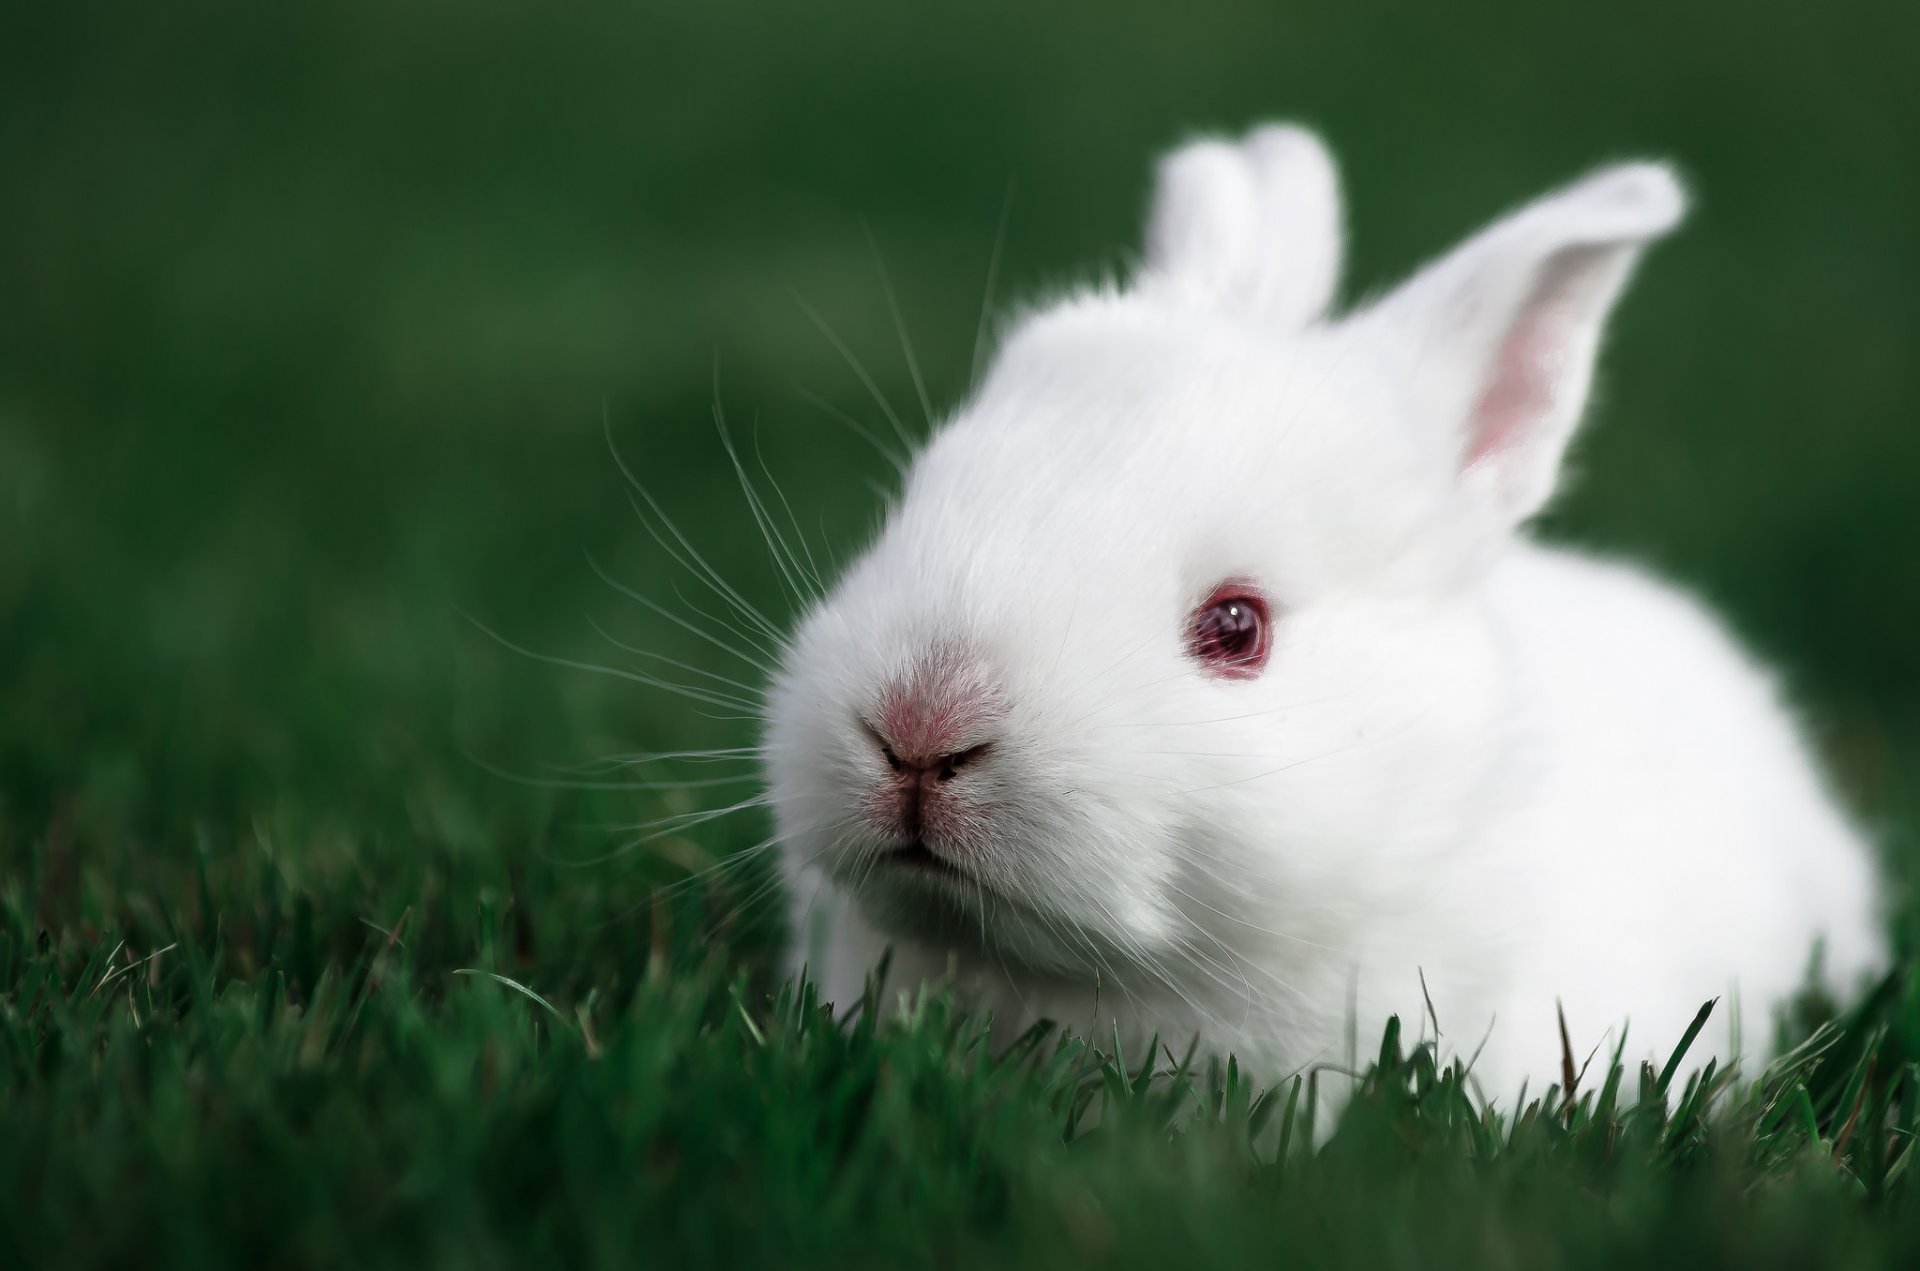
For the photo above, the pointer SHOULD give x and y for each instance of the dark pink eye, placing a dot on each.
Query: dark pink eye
(1232, 633)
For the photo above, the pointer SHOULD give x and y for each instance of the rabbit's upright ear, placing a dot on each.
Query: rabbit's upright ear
(1497, 340)
(1253, 225)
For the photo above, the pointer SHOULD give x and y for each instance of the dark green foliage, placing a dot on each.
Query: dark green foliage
(311, 321)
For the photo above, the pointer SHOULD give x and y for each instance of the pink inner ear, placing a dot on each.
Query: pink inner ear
(1521, 390)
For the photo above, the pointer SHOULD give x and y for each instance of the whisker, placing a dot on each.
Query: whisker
(1067, 632)
(731, 861)
(637, 759)
(879, 398)
(571, 783)
(767, 889)
(720, 620)
(1285, 767)
(856, 427)
(1198, 960)
(1119, 662)
(1122, 694)
(607, 763)
(663, 828)
(899, 325)
(708, 575)
(635, 677)
(980, 905)
(686, 820)
(813, 566)
(648, 602)
(688, 667)
(783, 557)
(1213, 969)
(1241, 922)
(757, 633)
(1297, 704)
(986, 298)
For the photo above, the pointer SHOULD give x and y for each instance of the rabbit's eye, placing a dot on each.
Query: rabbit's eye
(1231, 633)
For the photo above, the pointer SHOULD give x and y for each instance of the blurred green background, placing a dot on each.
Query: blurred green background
(311, 318)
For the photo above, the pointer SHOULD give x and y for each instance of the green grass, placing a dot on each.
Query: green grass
(249, 1083)
(310, 323)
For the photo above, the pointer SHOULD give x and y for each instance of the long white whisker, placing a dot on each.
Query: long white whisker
(648, 602)
(640, 759)
(1285, 767)
(1214, 971)
(666, 827)
(813, 566)
(706, 572)
(678, 665)
(686, 820)
(856, 427)
(636, 787)
(899, 325)
(1102, 674)
(986, 298)
(731, 861)
(1124, 692)
(783, 557)
(757, 634)
(634, 677)
(720, 620)
(1241, 922)
(879, 398)
(1297, 704)
(766, 890)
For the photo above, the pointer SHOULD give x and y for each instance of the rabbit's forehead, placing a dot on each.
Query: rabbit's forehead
(1133, 393)
(1151, 439)
(1123, 480)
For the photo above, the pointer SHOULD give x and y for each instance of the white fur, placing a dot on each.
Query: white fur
(1253, 224)
(1531, 775)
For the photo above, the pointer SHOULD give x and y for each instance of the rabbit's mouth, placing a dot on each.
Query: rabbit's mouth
(918, 858)
(921, 880)
(913, 892)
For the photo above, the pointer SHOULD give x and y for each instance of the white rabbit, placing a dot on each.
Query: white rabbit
(1203, 681)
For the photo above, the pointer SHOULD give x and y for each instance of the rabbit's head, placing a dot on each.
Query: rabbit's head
(1174, 634)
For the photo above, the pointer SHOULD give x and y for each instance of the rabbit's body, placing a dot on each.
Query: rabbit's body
(1629, 872)
(1673, 842)
(1200, 683)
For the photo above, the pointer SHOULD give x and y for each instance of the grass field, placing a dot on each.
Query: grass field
(313, 329)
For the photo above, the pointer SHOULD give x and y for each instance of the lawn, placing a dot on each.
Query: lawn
(321, 940)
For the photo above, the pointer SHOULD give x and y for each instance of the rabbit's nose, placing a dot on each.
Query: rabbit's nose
(944, 706)
(914, 802)
(931, 724)
(933, 768)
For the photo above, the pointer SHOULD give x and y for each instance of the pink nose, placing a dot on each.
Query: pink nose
(930, 725)
(916, 799)
(937, 768)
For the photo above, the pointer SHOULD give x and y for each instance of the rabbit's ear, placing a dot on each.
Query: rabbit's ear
(1498, 338)
(1252, 225)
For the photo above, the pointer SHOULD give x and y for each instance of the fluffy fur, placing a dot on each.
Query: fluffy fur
(1531, 775)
